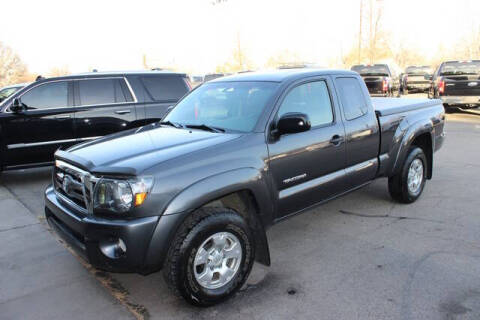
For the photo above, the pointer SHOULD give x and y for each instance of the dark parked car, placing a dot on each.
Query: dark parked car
(380, 79)
(7, 91)
(194, 193)
(457, 83)
(417, 79)
(59, 112)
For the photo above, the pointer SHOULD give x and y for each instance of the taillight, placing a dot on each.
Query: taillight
(385, 85)
(441, 86)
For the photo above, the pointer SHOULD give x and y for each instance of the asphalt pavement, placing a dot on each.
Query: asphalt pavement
(362, 256)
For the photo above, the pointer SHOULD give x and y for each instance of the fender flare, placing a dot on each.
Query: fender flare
(416, 129)
(203, 192)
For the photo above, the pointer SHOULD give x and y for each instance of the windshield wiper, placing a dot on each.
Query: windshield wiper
(172, 124)
(204, 127)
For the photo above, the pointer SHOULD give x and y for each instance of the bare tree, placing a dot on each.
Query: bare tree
(12, 69)
(59, 71)
(238, 62)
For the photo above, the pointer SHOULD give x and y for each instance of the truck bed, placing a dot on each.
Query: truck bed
(388, 106)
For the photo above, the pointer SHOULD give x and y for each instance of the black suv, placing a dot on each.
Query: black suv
(54, 113)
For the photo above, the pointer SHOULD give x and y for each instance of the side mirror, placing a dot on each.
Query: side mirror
(17, 106)
(428, 77)
(293, 122)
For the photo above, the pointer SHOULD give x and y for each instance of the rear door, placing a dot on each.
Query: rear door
(103, 106)
(361, 129)
(45, 126)
(161, 92)
(307, 167)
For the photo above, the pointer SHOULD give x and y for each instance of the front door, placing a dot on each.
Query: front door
(45, 125)
(307, 167)
(103, 106)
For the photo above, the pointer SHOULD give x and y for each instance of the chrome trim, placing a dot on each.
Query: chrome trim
(69, 202)
(317, 182)
(311, 184)
(123, 111)
(89, 138)
(86, 179)
(7, 110)
(43, 143)
(131, 90)
(361, 166)
(36, 144)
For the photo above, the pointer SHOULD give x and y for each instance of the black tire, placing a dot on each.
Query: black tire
(178, 269)
(398, 184)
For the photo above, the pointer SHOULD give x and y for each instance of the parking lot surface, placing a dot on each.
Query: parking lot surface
(362, 256)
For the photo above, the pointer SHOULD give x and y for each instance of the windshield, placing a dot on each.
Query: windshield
(225, 105)
(7, 92)
(380, 70)
(460, 67)
(418, 70)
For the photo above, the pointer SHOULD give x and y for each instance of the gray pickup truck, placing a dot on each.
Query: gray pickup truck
(194, 193)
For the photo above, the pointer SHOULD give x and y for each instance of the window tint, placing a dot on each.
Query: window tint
(49, 95)
(351, 95)
(161, 88)
(311, 98)
(100, 91)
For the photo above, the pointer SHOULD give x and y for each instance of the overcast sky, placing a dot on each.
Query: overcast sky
(113, 35)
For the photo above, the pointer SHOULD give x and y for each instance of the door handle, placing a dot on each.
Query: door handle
(63, 117)
(336, 140)
(122, 111)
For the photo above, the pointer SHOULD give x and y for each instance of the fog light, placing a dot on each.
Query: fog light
(113, 248)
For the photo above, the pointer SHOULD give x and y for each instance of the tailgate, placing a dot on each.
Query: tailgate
(373, 83)
(462, 85)
(417, 79)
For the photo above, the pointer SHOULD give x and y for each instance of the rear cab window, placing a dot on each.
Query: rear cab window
(351, 97)
(167, 88)
(457, 68)
(372, 70)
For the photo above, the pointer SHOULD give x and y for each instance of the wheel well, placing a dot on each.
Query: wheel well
(246, 205)
(424, 141)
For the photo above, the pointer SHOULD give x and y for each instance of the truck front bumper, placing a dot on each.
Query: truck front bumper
(118, 245)
(460, 100)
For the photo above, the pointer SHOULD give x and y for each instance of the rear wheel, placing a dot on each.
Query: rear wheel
(210, 257)
(408, 184)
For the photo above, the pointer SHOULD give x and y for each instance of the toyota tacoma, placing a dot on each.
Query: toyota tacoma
(194, 193)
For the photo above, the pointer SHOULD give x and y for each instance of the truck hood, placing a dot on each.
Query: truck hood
(133, 151)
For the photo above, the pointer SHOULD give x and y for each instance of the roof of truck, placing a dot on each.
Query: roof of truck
(283, 75)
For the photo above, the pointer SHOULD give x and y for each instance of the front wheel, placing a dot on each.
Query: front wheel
(210, 257)
(408, 184)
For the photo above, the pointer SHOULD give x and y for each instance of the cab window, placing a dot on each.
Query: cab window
(351, 96)
(312, 99)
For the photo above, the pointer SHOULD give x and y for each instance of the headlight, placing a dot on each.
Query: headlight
(120, 195)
